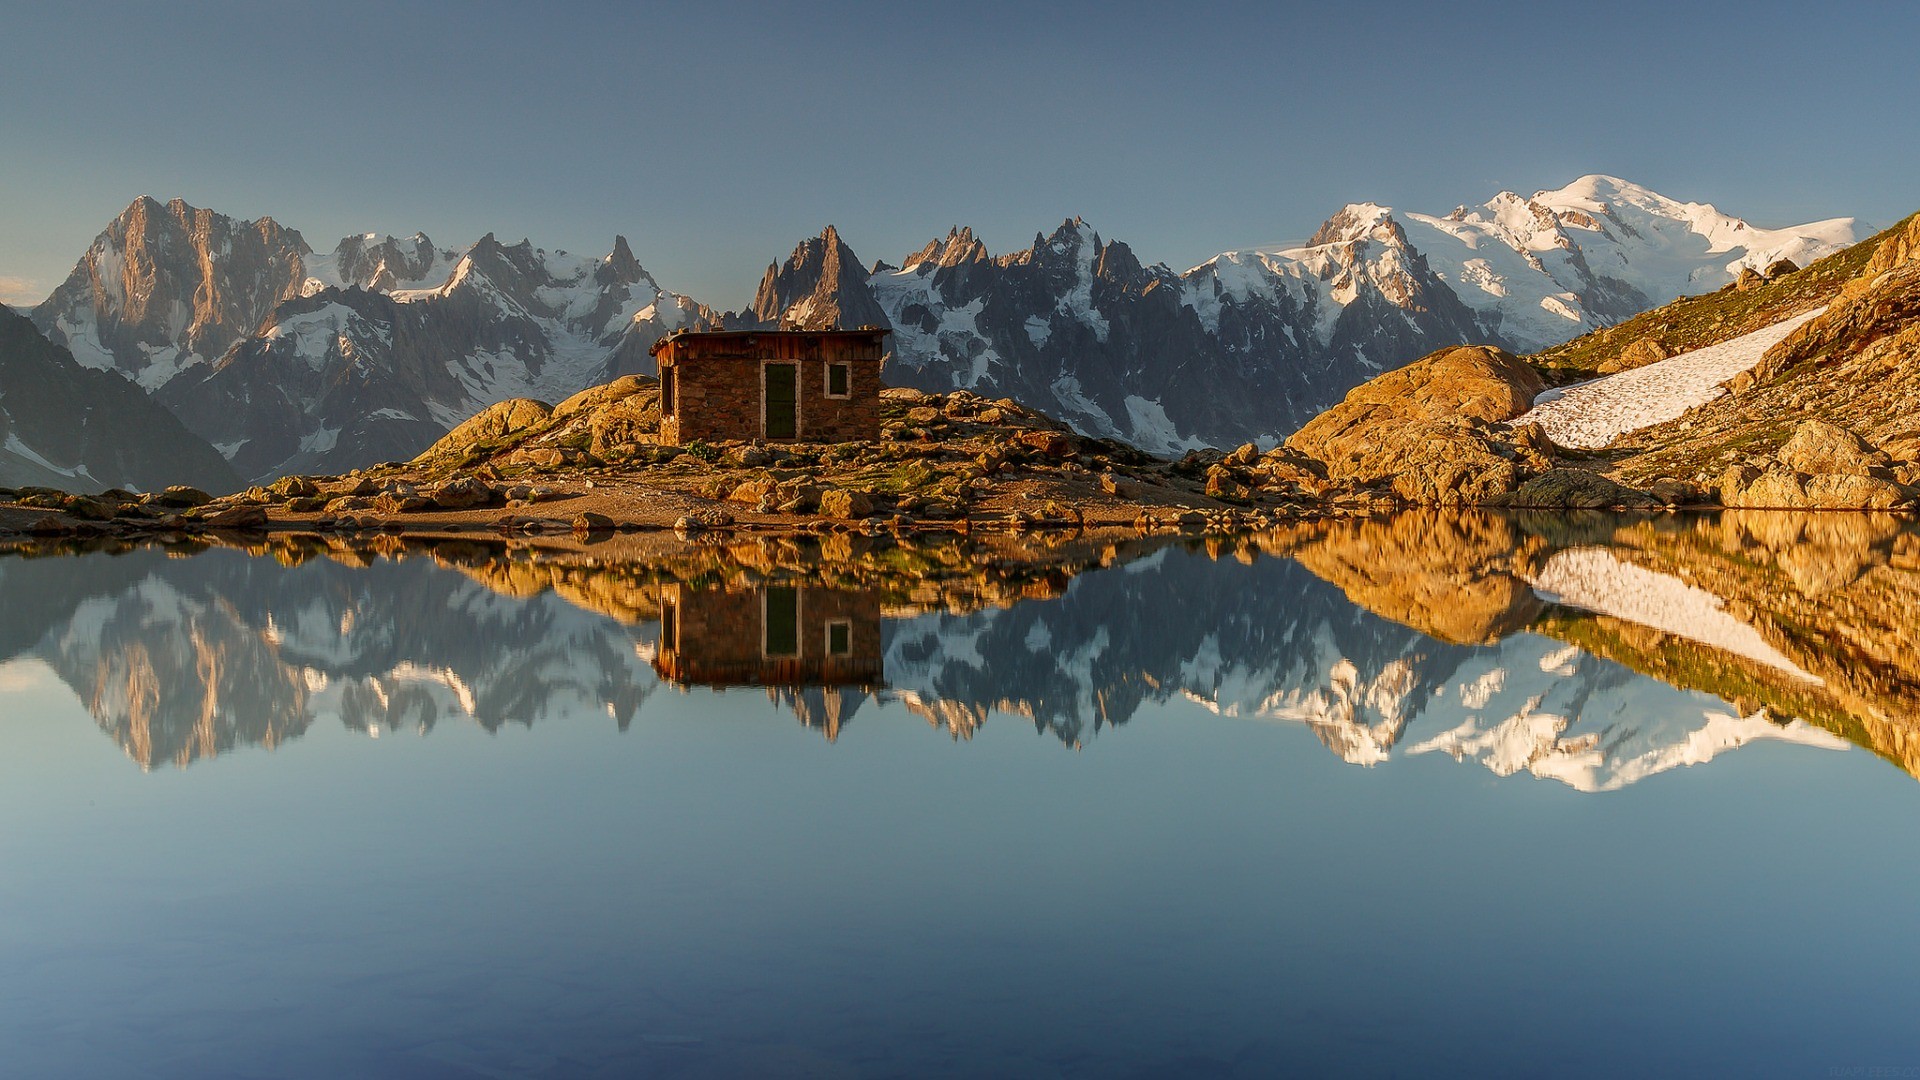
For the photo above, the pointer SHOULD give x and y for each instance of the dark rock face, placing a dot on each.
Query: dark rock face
(65, 426)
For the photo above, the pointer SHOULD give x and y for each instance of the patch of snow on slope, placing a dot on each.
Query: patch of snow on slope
(15, 446)
(1151, 429)
(1592, 414)
(1595, 579)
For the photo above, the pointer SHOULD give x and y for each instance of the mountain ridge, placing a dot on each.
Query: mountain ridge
(261, 346)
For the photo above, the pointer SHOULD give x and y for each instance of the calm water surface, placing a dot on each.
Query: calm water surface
(1191, 813)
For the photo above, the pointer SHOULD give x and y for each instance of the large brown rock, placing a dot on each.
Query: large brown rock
(1424, 429)
(595, 397)
(1779, 487)
(462, 493)
(843, 504)
(1472, 382)
(511, 417)
(1820, 447)
(1902, 247)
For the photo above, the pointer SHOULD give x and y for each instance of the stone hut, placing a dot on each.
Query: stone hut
(771, 636)
(775, 385)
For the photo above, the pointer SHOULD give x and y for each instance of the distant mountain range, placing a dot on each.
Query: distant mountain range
(290, 360)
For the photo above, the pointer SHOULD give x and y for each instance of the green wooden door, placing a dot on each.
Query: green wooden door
(783, 622)
(782, 409)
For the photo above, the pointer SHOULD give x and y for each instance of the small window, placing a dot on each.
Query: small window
(840, 380)
(782, 622)
(839, 638)
(666, 390)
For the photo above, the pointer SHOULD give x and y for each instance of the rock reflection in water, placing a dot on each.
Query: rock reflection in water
(1489, 638)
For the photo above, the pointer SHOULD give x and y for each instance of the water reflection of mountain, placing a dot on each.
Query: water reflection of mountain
(1422, 635)
(182, 659)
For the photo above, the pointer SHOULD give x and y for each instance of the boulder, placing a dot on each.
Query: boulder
(1779, 487)
(1428, 430)
(390, 503)
(1749, 279)
(1820, 447)
(237, 518)
(1900, 248)
(1578, 489)
(1780, 268)
(1469, 383)
(294, 487)
(595, 397)
(462, 493)
(180, 495)
(89, 509)
(752, 492)
(590, 522)
(843, 504)
(1053, 444)
(1639, 354)
(515, 416)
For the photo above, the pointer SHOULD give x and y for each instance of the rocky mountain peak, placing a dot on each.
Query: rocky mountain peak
(958, 248)
(382, 263)
(620, 267)
(1116, 262)
(1354, 221)
(822, 284)
(166, 287)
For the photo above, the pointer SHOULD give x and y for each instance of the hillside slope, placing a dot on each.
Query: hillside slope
(63, 425)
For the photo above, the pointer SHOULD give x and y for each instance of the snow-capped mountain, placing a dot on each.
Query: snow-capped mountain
(1250, 344)
(164, 288)
(339, 377)
(1532, 271)
(290, 360)
(65, 426)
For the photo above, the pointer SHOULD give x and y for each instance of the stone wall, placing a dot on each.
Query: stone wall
(719, 385)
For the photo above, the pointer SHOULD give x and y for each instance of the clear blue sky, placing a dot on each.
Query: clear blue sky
(715, 135)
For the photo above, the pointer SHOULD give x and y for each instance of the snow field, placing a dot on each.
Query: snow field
(1590, 415)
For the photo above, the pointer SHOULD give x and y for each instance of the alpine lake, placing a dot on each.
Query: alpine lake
(1436, 794)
